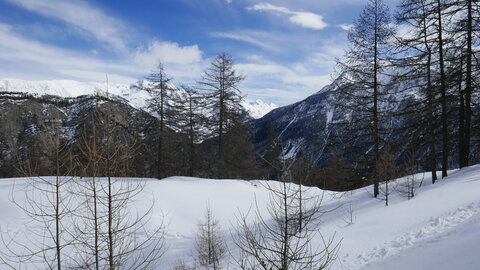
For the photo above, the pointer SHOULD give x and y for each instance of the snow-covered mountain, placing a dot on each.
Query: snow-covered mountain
(135, 97)
(305, 125)
(317, 125)
(258, 108)
(28, 108)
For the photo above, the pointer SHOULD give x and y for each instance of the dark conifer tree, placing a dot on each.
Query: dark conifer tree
(220, 83)
(416, 61)
(162, 103)
(363, 69)
(193, 123)
(443, 84)
(270, 152)
(466, 33)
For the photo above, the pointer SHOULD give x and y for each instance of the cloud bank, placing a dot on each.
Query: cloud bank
(92, 20)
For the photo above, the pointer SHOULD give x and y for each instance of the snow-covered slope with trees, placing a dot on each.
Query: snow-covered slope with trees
(437, 229)
(305, 126)
(135, 97)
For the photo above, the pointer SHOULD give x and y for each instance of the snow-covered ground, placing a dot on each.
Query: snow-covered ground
(135, 97)
(438, 229)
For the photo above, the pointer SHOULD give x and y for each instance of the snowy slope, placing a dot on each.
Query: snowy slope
(438, 229)
(318, 126)
(137, 98)
(257, 108)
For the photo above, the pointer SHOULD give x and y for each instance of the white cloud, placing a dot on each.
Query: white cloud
(182, 61)
(95, 76)
(260, 69)
(286, 83)
(168, 53)
(308, 20)
(289, 82)
(270, 7)
(83, 16)
(346, 27)
(32, 58)
(245, 37)
(278, 96)
(302, 18)
(29, 54)
(14, 46)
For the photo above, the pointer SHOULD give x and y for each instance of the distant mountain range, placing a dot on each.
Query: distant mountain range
(134, 96)
(32, 111)
(305, 127)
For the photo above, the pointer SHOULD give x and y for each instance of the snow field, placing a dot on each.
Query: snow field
(440, 222)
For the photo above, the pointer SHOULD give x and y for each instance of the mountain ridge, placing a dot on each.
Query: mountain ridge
(133, 95)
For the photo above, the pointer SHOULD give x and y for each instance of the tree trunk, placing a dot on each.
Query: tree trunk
(286, 235)
(221, 127)
(461, 124)
(431, 128)
(162, 123)
(95, 197)
(430, 102)
(375, 104)
(468, 88)
(57, 210)
(192, 143)
(443, 93)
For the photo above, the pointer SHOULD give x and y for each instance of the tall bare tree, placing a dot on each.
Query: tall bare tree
(443, 85)
(466, 34)
(417, 59)
(220, 81)
(364, 64)
(158, 84)
(192, 122)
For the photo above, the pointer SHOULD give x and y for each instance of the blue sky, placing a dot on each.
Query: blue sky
(285, 48)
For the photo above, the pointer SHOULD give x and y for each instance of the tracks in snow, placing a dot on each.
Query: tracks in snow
(434, 229)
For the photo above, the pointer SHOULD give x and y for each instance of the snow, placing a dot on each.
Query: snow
(329, 116)
(381, 233)
(134, 96)
(62, 88)
(444, 248)
(258, 108)
(438, 229)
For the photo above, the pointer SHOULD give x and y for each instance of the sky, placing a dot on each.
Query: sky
(286, 49)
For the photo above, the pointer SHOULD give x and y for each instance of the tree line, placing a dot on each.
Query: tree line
(409, 83)
(210, 116)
